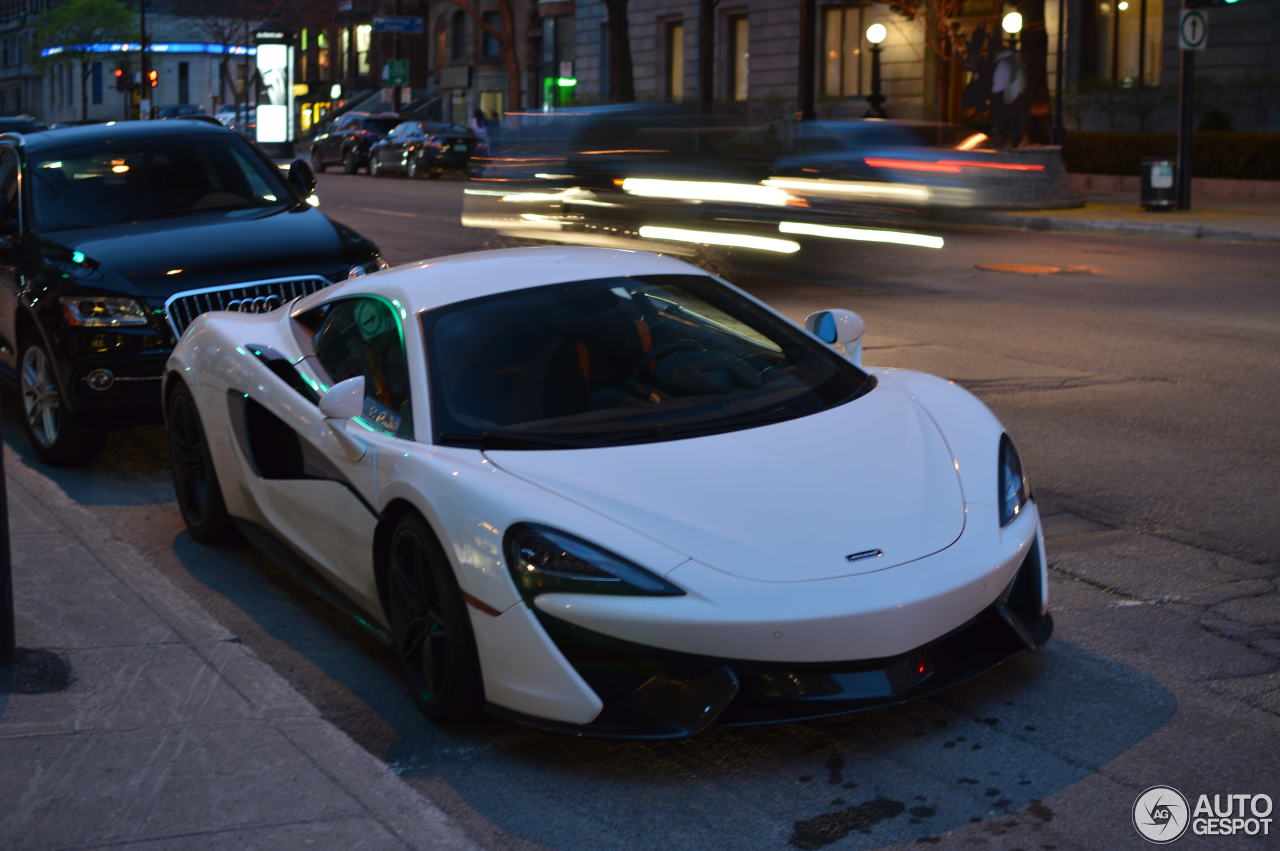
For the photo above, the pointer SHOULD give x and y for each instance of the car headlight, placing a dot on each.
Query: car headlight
(1014, 492)
(103, 311)
(377, 264)
(544, 561)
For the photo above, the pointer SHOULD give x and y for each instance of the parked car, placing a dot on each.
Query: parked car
(348, 139)
(183, 110)
(243, 120)
(20, 124)
(115, 237)
(604, 492)
(423, 148)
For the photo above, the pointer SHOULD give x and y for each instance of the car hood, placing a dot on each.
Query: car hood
(788, 502)
(209, 249)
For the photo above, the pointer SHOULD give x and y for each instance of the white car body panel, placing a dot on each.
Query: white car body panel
(849, 480)
(753, 524)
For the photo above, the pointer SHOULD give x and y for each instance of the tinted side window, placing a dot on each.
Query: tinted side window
(8, 191)
(362, 336)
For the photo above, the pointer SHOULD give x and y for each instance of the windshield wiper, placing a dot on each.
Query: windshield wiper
(508, 440)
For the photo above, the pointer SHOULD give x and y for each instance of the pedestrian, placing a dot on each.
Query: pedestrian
(480, 126)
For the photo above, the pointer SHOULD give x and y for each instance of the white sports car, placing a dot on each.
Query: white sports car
(604, 492)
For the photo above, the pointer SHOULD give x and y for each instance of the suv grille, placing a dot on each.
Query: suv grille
(182, 308)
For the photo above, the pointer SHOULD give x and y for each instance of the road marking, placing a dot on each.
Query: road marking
(383, 212)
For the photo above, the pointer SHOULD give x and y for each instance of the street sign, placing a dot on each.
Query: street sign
(411, 24)
(1193, 27)
(396, 72)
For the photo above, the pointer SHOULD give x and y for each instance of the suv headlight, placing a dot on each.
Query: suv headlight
(1013, 490)
(103, 311)
(377, 264)
(544, 561)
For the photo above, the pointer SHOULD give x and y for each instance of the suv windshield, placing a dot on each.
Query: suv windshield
(150, 179)
(621, 360)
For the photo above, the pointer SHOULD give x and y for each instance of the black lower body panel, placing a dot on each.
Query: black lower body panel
(654, 693)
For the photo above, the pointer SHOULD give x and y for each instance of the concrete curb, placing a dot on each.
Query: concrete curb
(333, 760)
(1116, 227)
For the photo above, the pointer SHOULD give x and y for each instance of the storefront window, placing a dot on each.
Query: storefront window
(845, 64)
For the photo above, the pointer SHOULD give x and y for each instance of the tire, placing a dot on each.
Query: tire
(411, 168)
(430, 629)
(195, 483)
(317, 163)
(375, 170)
(58, 437)
(350, 163)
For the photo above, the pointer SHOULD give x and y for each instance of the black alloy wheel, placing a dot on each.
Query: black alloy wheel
(350, 163)
(57, 436)
(429, 626)
(317, 162)
(195, 483)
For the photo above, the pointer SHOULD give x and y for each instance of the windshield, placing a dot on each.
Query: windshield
(379, 125)
(151, 179)
(621, 360)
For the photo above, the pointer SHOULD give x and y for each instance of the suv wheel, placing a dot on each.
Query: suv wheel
(411, 168)
(57, 437)
(375, 168)
(350, 163)
(316, 162)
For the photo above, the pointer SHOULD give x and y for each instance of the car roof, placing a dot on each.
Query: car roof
(119, 131)
(440, 281)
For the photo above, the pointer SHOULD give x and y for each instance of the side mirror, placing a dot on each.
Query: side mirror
(302, 178)
(344, 400)
(842, 328)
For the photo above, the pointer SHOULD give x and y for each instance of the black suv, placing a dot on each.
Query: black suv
(348, 139)
(114, 237)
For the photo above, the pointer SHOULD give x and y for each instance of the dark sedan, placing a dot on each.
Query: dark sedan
(114, 237)
(348, 138)
(423, 149)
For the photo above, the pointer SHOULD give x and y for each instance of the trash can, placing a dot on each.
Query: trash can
(1159, 189)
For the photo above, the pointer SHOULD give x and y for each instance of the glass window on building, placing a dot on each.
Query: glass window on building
(322, 56)
(96, 82)
(492, 47)
(364, 33)
(1129, 35)
(458, 37)
(675, 61)
(344, 51)
(739, 43)
(184, 82)
(846, 67)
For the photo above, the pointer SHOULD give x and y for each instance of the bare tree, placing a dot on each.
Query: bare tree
(74, 27)
(231, 23)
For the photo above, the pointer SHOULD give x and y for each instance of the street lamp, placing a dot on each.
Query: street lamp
(876, 33)
(1012, 24)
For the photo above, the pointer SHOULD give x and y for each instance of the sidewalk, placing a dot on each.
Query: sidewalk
(1217, 219)
(166, 732)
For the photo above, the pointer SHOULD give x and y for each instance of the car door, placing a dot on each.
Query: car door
(10, 250)
(324, 502)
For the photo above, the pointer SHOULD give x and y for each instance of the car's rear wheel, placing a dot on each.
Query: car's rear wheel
(350, 163)
(411, 168)
(375, 167)
(58, 437)
(195, 483)
(429, 624)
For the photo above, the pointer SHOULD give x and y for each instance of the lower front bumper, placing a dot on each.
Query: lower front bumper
(654, 693)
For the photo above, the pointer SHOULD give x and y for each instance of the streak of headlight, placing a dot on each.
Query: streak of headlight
(862, 234)
(701, 190)
(542, 175)
(972, 142)
(737, 240)
(870, 190)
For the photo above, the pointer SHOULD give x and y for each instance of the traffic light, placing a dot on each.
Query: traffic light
(153, 78)
(122, 80)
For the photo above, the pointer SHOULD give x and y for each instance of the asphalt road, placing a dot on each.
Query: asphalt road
(1140, 389)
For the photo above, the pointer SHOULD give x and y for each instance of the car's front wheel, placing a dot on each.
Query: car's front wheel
(195, 483)
(375, 167)
(429, 624)
(412, 167)
(57, 436)
(350, 163)
(317, 162)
